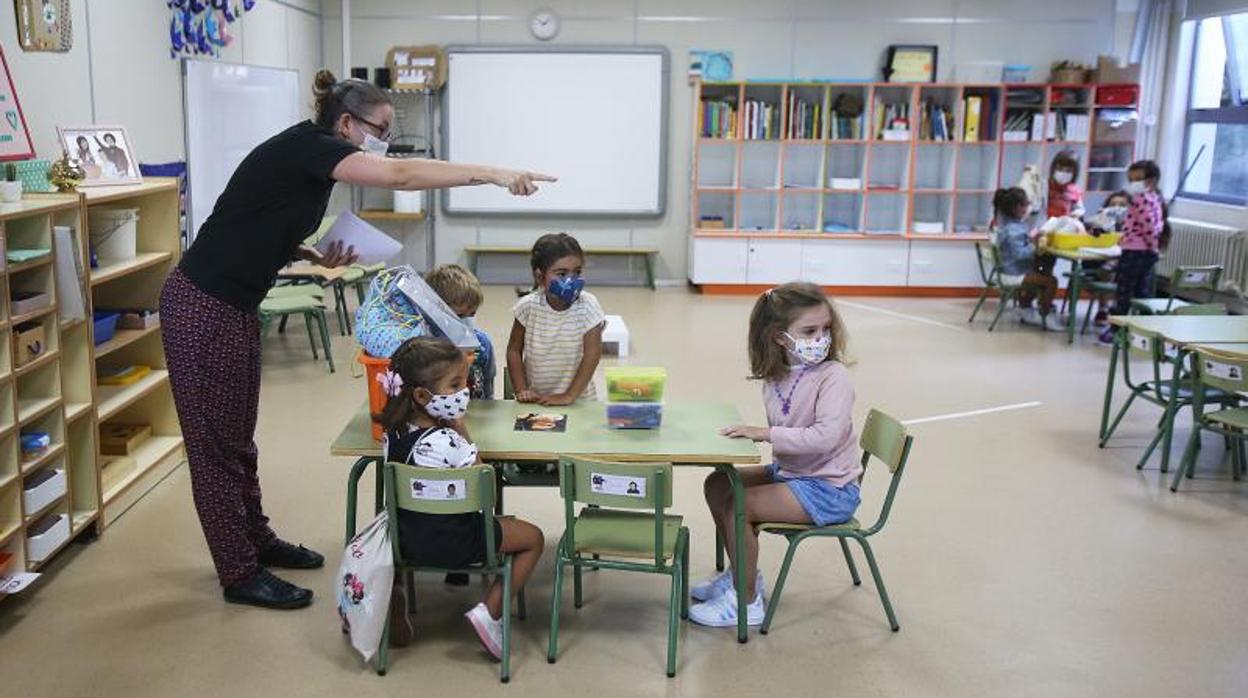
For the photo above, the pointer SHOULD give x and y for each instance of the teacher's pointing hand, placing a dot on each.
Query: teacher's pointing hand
(519, 182)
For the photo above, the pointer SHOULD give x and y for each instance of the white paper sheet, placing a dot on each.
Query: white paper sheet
(69, 292)
(371, 245)
(13, 583)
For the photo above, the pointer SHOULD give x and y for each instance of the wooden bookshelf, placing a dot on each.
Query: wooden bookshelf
(56, 392)
(813, 181)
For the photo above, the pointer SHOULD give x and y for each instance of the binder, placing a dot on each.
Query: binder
(974, 109)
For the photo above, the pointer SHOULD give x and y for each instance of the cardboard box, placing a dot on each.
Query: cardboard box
(29, 343)
(1108, 72)
(138, 319)
(118, 439)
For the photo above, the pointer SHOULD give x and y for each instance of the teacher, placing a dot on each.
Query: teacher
(209, 311)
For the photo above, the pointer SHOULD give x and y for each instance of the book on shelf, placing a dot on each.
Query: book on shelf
(803, 119)
(844, 183)
(1037, 127)
(935, 122)
(718, 118)
(844, 128)
(974, 112)
(762, 120)
(1018, 125)
(892, 119)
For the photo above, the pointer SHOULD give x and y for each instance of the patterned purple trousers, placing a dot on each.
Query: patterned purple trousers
(213, 353)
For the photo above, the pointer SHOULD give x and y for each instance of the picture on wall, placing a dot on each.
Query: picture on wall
(104, 152)
(15, 143)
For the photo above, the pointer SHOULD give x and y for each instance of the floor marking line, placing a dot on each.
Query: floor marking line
(903, 316)
(973, 413)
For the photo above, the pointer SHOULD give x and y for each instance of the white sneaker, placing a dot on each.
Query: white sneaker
(1031, 316)
(1054, 323)
(489, 631)
(713, 587)
(721, 612)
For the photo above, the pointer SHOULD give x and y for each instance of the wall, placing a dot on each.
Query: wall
(119, 70)
(780, 39)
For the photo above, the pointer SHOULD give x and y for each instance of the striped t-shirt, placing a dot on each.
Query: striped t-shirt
(554, 340)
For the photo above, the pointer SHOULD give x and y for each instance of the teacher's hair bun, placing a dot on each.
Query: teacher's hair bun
(323, 84)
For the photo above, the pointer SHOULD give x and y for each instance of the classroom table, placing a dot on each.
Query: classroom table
(689, 437)
(1182, 332)
(1077, 258)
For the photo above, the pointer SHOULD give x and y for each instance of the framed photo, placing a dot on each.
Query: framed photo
(104, 152)
(15, 143)
(910, 64)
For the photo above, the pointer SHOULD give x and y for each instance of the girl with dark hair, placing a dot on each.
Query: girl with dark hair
(1016, 246)
(1142, 232)
(211, 330)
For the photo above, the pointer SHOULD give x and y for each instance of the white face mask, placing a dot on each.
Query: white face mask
(1063, 176)
(812, 350)
(1136, 188)
(448, 407)
(374, 145)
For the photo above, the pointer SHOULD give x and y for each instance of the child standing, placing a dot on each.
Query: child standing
(428, 388)
(1015, 242)
(556, 339)
(1065, 197)
(1141, 238)
(796, 345)
(462, 292)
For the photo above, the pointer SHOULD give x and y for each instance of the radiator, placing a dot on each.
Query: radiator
(1193, 243)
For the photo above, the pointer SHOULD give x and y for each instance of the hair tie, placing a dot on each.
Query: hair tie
(391, 383)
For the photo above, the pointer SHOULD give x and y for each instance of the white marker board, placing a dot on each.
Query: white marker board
(594, 117)
(230, 109)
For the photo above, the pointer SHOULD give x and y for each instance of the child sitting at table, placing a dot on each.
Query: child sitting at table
(1108, 220)
(427, 385)
(1015, 241)
(796, 347)
(556, 339)
(462, 292)
(1065, 197)
(1143, 230)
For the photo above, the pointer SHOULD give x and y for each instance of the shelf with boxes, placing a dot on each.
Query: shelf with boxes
(781, 169)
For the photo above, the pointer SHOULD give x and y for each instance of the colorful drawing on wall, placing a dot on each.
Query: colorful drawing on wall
(202, 27)
(44, 25)
(103, 152)
(15, 141)
(711, 66)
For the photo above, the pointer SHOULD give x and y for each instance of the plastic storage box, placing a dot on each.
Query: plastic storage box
(46, 535)
(43, 488)
(105, 326)
(635, 384)
(634, 415)
(1074, 241)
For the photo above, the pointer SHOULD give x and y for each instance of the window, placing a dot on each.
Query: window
(1217, 113)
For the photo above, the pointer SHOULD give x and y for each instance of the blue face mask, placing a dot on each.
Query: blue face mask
(567, 289)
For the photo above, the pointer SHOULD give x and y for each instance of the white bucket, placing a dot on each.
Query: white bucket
(114, 232)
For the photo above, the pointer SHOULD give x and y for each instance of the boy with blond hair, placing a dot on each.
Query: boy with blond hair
(461, 290)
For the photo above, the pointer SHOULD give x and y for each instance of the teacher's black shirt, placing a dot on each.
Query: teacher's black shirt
(273, 202)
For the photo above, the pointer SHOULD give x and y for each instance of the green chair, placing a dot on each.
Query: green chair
(627, 531)
(1157, 390)
(297, 291)
(312, 310)
(1095, 284)
(1200, 309)
(886, 439)
(1227, 373)
(1190, 279)
(994, 280)
(476, 496)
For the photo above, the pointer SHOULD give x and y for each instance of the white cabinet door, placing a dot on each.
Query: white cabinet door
(774, 261)
(944, 264)
(855, 262)
(720, 260)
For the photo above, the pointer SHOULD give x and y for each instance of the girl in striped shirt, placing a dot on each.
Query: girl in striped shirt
(556, 339)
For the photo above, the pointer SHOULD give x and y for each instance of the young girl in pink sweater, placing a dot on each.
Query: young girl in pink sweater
(796, 344)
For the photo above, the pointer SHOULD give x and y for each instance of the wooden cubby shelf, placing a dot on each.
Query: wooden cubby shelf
(862, 184)
(56, 392)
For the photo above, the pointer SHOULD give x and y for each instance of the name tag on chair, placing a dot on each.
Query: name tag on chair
(617, 485)
(1229, 372)
(1140, 342)
(1197, 277)
(438, 489)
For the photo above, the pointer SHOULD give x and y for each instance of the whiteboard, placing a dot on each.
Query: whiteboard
(230, 109)
(596, 118)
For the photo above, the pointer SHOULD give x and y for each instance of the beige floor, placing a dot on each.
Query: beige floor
(1022, 560)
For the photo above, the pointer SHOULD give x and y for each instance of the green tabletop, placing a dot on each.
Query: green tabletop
(1190, 329)
(1223, 347)
(689, 435)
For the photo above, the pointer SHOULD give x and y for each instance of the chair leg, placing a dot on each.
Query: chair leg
(577, 601)
(1004, 301)
(1087, 316)
(719, 550)
(522, 608)
(1188, 463)
(308, 322)
(849, 560)
(324, 323)
(281, 326)
(409, 584)
(1152, 446)
(982, 298)
(673, 620)
(779, 588)
(684, 582)
(1237, 456)
(556, 596)
(505, 670)
(879, 584)
(383, 649)
(1114, 425)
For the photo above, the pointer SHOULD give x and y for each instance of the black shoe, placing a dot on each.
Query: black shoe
(457, 579)
(291, 557)
(266, 590)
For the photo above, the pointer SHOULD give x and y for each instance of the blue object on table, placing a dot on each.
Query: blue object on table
(634, 415)
(105, 326)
